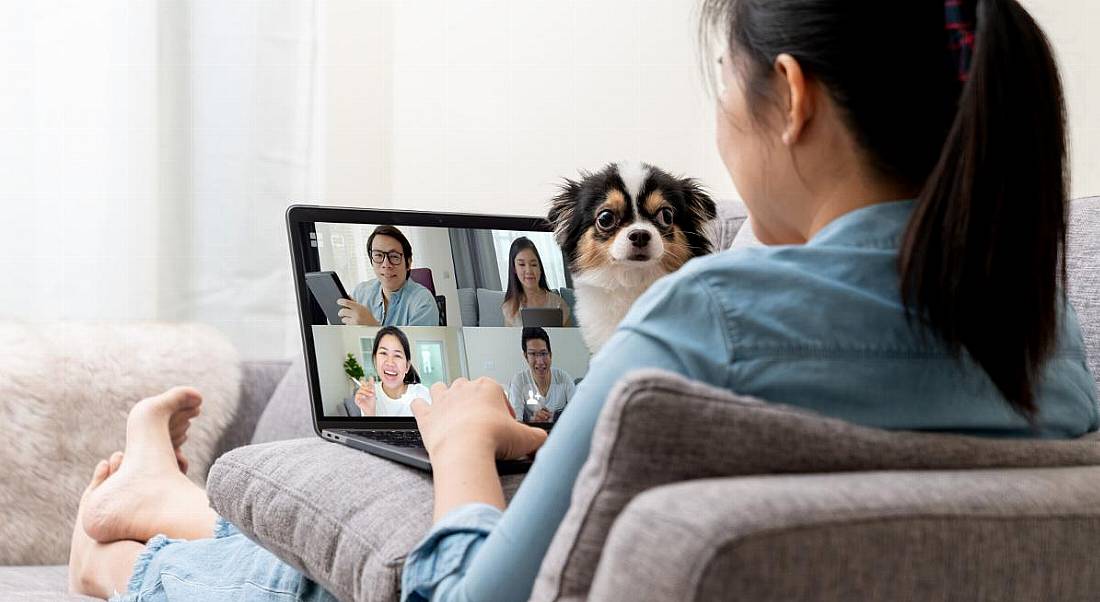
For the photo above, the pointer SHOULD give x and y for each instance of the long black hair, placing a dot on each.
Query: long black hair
(514, 295)
(411, 377)
(983, 151)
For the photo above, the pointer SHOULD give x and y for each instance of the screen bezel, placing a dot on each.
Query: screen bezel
(299, 215)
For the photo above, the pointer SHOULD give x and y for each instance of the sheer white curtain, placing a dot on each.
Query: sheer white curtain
(149, 152)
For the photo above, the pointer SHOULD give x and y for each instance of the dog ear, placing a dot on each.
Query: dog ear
(698, 201)
(562, 208)
(703, 212)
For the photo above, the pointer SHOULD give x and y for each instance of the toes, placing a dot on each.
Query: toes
(99, 474)
(182, 462)
(186, 397)
(114, 463)
(179, 441)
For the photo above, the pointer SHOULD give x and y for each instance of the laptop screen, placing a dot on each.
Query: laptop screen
(394, 309)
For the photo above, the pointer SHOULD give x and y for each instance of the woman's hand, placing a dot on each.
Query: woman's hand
(355, 314)
(471, 417)
(466, 426)
(364, 398)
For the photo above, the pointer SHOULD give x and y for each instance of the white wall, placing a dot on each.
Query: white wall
(1071, 26)
(328, 344)
(493, 101)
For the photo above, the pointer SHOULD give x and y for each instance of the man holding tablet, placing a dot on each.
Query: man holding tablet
(392, 298)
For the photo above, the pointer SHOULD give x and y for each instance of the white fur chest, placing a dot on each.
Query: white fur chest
(605, 294)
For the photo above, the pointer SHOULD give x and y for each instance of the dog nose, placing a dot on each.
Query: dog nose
(639, 238)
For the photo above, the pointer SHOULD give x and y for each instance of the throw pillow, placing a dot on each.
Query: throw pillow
(65, 391)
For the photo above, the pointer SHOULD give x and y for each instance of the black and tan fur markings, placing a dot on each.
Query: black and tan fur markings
(573, 213)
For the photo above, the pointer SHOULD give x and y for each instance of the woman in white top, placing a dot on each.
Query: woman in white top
(398, 383)
(527, 284)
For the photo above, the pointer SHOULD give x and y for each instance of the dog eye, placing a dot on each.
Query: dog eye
(605, 220)
(664, 217)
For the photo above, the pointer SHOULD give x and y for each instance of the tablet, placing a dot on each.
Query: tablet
(546, 317)
(326, 290)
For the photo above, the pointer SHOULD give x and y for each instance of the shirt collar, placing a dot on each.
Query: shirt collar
(878, 225)
(394, 296)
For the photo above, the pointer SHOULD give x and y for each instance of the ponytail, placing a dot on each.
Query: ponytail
(981, 260)
(412, 377)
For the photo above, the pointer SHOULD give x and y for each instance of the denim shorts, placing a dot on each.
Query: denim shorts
(228, 567)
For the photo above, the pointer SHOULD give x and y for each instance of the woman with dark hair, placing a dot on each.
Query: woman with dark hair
(905, 164)
(398, 383)
(392, 298)
(527, 284)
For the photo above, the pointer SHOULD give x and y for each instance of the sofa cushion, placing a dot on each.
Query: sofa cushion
(906, 535)
(65, 391)
(18, 583)
(1083, 267)
(288, 414)
(731, 218)
(489, 312)
(259, 381)
(720, 434)
(343, 517)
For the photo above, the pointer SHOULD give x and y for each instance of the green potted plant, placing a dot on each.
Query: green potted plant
(354, 370)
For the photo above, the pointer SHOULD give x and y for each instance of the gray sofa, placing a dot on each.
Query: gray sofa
(746, 500)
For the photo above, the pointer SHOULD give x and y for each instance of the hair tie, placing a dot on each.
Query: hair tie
(960, 17)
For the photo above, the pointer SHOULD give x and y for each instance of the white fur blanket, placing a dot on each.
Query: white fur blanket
(65, 390)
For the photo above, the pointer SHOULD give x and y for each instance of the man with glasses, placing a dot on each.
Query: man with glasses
(391, 299)
(539, 392)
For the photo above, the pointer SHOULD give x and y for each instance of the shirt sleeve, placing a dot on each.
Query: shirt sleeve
(424, 312)
(516, 398)
(500, 561)
(431, 570)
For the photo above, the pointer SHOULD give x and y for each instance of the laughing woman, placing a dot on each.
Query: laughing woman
(398, 383)
(906, 169)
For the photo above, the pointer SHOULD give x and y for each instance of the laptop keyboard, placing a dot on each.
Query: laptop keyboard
(396, 438)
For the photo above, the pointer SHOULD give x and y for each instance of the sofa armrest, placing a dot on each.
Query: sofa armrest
(720, 434)
(935, 535)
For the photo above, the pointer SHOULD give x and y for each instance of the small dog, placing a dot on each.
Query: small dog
(621, 229)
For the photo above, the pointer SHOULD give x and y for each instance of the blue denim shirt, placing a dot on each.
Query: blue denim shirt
(819, 325)
(410, 305)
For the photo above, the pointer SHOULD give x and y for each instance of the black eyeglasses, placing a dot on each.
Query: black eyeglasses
(379, 256)
(537, 355)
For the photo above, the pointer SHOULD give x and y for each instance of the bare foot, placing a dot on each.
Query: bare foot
(97, 569)
(148, 493)
(81, 546)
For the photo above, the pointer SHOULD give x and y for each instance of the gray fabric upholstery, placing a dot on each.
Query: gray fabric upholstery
(731, 217)
(1005, 535)
(467, 306)
(259, 380)
(489, 312)
(1083, 266)
(720, 434)
(288, 414)
(343, 517)
(36, 583)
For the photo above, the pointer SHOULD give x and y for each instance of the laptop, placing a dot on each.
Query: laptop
(466, 258)
(541, 316)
